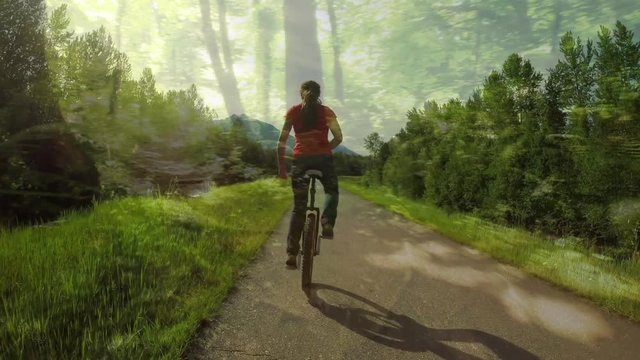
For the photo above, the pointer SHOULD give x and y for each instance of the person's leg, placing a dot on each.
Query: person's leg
(330, 185)
(300, 187)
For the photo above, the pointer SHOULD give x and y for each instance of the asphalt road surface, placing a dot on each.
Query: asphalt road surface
(386, 288)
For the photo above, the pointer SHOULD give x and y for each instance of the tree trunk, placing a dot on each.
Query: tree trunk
(303, 61)
(159, 20)
(224, 38)
(556, 26)
(122, 8)
(265, 20)
(476, 51)
(226, 79)
(522, 12)
(155, 8)
(335, 42)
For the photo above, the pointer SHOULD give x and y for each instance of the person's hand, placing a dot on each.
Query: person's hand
(282, 174)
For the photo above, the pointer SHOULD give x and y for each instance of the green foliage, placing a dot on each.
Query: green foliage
(378, 152)
(625, 218)
(142, 138)
(349, 165)
(25, 96)
(133, 278)
(575, 71)
(43, 168)
(550, 154)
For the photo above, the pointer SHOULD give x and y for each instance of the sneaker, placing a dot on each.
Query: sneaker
(327, 231)
(292, 261)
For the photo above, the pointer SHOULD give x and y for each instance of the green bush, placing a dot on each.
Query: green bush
(625, 219)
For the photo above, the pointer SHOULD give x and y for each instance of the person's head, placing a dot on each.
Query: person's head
(310, 94)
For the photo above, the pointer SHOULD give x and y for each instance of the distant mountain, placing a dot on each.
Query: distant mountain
(267, 134)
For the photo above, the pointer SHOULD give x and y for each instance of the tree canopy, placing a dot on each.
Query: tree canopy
(558, 154)
(392, 54)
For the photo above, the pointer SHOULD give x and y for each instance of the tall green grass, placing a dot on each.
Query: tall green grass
(615, 285)
(133, 278)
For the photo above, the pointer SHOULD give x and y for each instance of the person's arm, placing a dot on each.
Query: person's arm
(282, 147)
(334, 126)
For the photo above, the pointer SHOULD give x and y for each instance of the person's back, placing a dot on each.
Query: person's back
(311, 122)
(313, 140)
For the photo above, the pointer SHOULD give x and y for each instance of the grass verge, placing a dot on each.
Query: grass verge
(132, 278)
(614, 285)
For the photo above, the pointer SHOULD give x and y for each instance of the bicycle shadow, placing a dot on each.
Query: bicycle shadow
(402, 332)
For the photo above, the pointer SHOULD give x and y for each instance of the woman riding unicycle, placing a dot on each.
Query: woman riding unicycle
(311, 122)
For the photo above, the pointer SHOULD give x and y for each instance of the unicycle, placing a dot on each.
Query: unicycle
(310, 238)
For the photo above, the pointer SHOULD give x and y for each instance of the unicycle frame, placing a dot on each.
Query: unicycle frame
(313, 209)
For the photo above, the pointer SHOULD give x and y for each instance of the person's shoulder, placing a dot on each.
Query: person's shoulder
(294, 110)
(328, 111)
(296, 107)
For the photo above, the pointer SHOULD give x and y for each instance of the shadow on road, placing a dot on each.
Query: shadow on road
(401, 332)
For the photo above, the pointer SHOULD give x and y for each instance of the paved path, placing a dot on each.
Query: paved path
(386, 288)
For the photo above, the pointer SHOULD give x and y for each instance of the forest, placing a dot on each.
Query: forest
(99, 102)
(559, 154)
(76, 126)
(138, 162)
(376, 59)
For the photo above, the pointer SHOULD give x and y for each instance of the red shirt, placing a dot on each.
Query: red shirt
(312, 141)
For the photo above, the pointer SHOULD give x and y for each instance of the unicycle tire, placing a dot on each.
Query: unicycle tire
(308, 240)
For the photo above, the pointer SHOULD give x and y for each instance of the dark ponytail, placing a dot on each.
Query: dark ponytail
(310, 92)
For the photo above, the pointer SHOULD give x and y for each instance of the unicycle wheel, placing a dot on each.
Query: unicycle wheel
(308, 245)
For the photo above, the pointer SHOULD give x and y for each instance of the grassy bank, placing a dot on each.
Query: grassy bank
(613, 285)
(132, 278)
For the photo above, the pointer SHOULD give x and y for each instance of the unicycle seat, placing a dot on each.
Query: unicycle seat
(313, 173)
